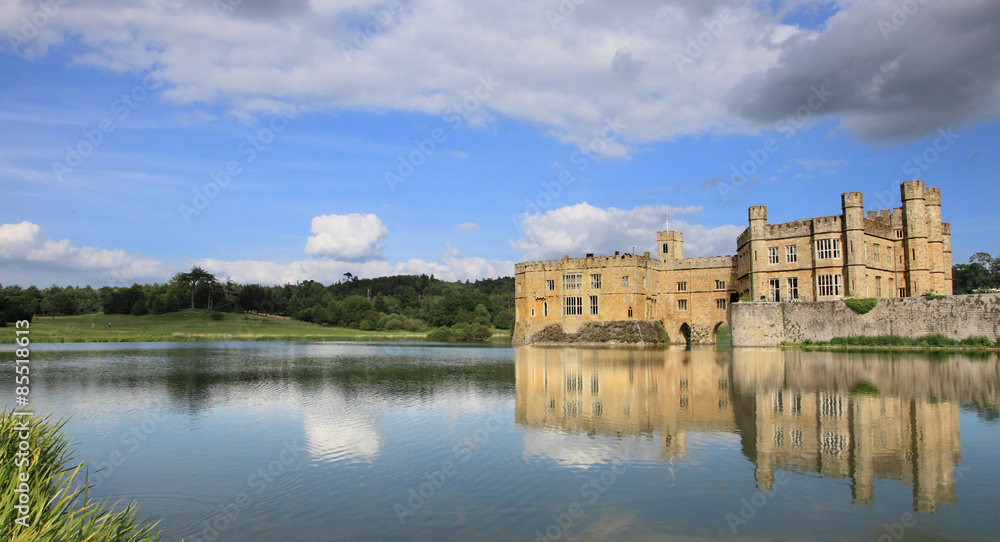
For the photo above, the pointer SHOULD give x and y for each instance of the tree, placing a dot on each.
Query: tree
(982, 271)
(197, 276)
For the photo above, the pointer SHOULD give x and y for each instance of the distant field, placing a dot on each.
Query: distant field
(195, 325)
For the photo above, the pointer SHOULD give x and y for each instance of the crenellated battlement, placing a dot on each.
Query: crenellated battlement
(889, 253)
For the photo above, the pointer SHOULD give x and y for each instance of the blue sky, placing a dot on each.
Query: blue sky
(458, 140)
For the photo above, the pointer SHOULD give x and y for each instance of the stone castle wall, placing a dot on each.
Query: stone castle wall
(957, 317)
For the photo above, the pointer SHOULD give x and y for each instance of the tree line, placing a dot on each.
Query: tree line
(460, 311)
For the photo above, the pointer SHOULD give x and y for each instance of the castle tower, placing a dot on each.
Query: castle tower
(915, 238)
(935, 241)
(854, 239)
(946, 257)
(758, 251)
(670, 245)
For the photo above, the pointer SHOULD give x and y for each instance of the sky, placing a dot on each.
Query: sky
(277, 142)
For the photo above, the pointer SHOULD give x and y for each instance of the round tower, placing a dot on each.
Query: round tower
(758, 251)
(915, 238)
(853, 222)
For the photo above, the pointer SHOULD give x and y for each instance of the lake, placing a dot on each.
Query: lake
(358, 441)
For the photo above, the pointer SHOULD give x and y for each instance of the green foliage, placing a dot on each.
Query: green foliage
(931, 296)
(861, 306)
(216, 315)
(866, 388)
(60, 509)
(981, 273)
(504, 319)
(935, 340)
(976, 341)
(139, 308)
(441, 334)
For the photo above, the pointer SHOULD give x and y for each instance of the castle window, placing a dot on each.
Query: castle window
(827, 249)
(625, 281)
(518, 287)
(902, 292)
(720, 304)
(899, 234)
(550, 285)
(791, 256)
(593, 304)
(878, 285)
(772, 255)
(876, 253)
(682, 286)
(793, 288)
(630, 312)
(665, 248)
(545, 308)
(682, 304)
(532, 313)
(774, 290)
(828, 284)
(572, 282)
(891, 285)
(914, 255)
(595, 282)
(720, 285)
(572, 306)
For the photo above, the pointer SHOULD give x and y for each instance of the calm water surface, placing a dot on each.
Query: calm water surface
(307, 442)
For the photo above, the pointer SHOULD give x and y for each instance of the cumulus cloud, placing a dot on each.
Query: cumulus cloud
(578, 229)
(27, 247)
(667, 68)
(352, 237)
(467, 227)
(893, 70)
(452, 267)
(29, 256)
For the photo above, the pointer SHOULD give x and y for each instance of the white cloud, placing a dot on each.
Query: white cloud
(667, 68)
(578, 229)
(29, 256)
(350, 237)
(27, 247)
(454, 267)
(468, 227)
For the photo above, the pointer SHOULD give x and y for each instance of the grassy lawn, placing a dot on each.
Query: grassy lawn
(195, 325)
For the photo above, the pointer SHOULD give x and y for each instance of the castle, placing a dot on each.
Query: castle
(900, 253)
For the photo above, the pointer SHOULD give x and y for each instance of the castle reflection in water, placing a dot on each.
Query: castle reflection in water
(856, 416)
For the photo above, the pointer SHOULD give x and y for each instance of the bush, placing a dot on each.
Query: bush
(393, 323)
(216, 315)
(440, 335)
(976, 341)
(414, 324)
(477, 333)
(139, 308)
(366, 325)
(504, 319)
(861, 306)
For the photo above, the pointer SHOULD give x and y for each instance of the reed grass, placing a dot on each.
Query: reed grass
(59, 506)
